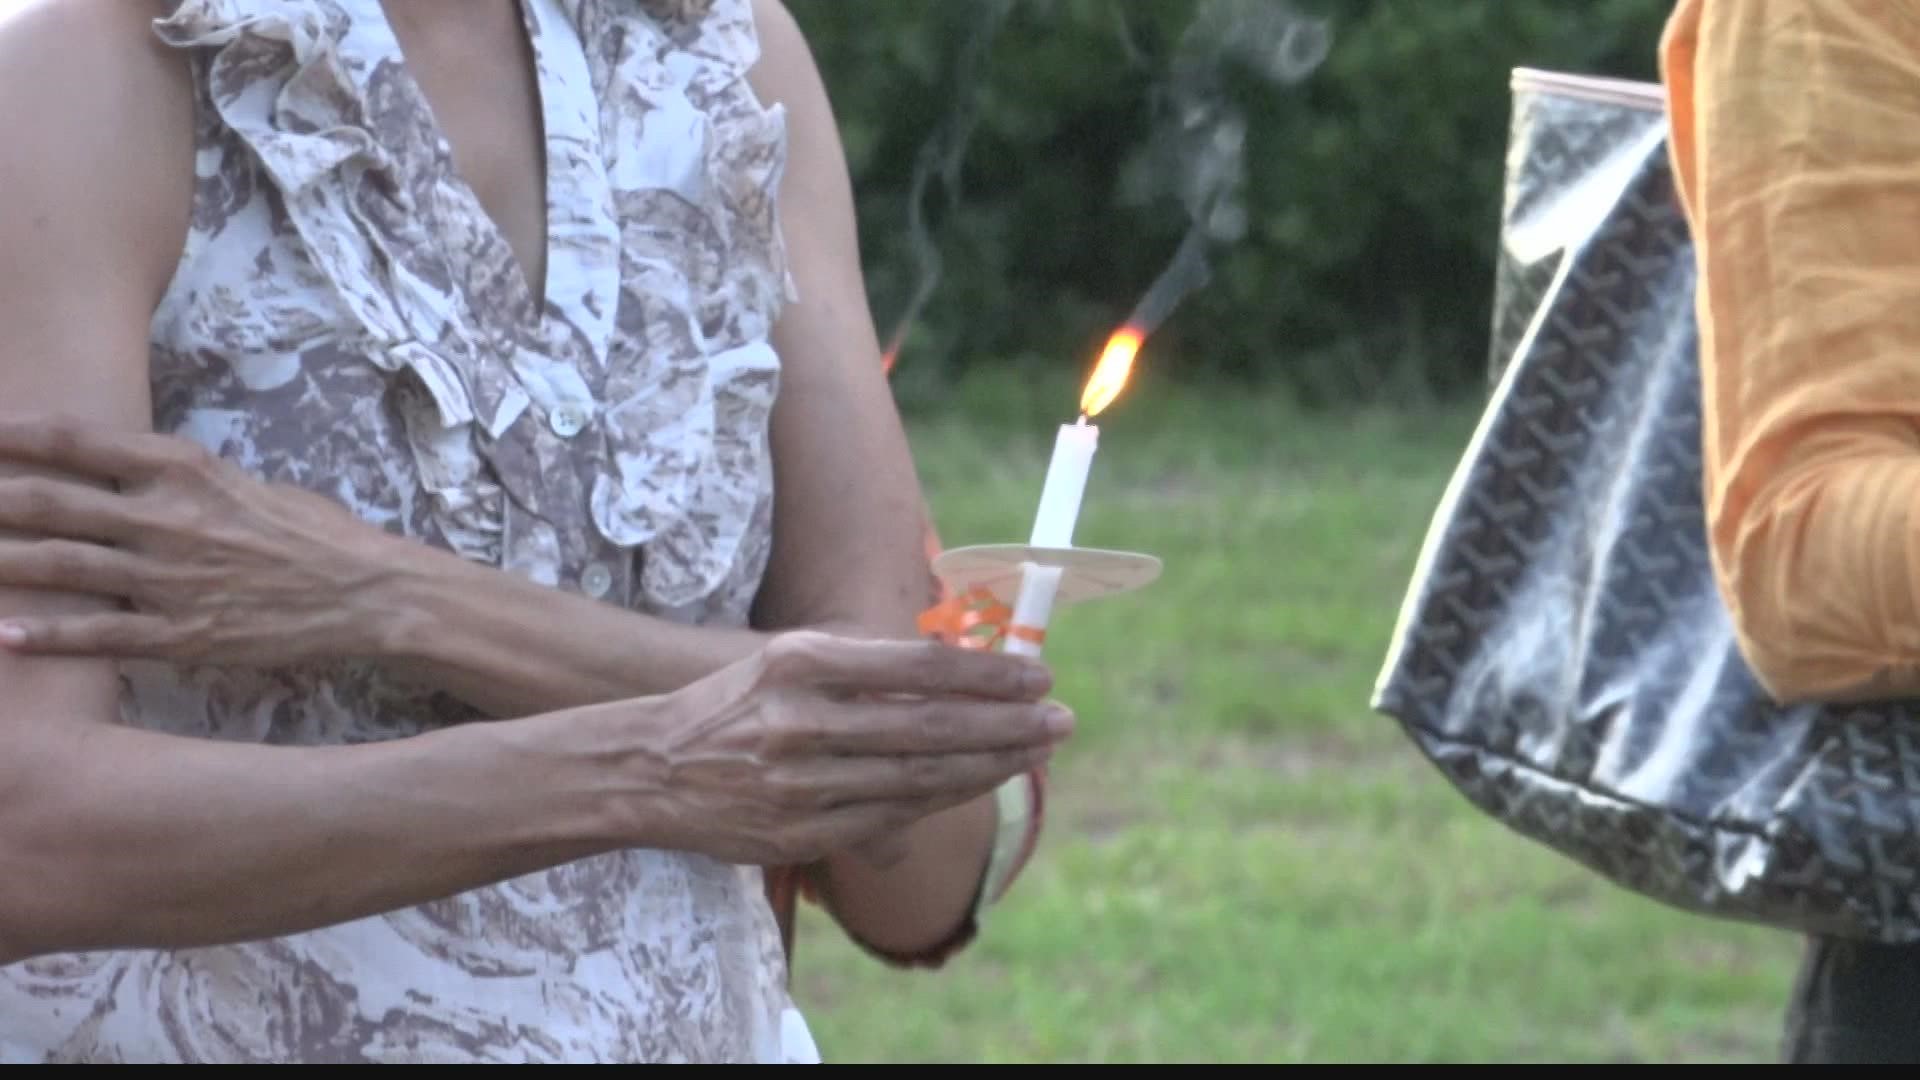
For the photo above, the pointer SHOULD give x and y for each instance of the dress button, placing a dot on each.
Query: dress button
(595, 580)
(568, 421)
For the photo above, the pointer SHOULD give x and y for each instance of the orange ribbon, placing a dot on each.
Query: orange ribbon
(973, 619)
(961, 618)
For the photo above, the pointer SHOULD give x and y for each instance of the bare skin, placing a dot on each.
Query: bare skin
(623, 731)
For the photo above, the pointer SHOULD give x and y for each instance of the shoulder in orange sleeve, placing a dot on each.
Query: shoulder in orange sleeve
(1795, 139)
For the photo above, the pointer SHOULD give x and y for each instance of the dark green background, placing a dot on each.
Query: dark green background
(1372, 188)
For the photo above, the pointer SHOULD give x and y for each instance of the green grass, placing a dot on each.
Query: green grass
(1244, 863)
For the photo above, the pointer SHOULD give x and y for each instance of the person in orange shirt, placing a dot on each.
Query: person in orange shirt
(1796, 144)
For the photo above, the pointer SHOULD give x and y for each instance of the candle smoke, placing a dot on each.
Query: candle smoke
(940, 157)
(1198, 152)
(1188, 271)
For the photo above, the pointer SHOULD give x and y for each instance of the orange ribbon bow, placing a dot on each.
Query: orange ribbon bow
(961, 617)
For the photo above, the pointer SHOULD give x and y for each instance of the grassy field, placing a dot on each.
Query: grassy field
(1244, 863)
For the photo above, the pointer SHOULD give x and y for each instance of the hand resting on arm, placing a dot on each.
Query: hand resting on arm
(116, 836)
(215, 564)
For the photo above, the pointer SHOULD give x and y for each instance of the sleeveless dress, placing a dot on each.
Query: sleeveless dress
(346, 318)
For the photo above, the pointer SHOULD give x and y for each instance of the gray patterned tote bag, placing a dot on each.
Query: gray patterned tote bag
(1562, 655)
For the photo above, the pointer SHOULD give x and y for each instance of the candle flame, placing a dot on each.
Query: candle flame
(1110, 374)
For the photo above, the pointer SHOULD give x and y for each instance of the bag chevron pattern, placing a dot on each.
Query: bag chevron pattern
(1563, 655)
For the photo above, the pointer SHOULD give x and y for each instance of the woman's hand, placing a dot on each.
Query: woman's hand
(818, 744)
(209, 564)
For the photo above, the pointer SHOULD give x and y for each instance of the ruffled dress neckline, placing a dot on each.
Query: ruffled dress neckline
(639, 388)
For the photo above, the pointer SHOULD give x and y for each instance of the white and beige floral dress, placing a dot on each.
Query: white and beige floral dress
(346, 318)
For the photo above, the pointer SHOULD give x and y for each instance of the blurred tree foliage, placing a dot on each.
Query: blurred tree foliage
(1372, 187)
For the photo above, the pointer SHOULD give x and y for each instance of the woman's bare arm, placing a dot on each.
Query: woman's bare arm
(849, 547)
(847, 554)
(111, 835)
(281, 575)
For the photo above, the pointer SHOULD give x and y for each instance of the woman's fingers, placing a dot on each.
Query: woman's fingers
(69, 565)
(909, 780)
(821, 744)
(90, 450)
(936, 727)
(840, 827)
(39, 506)
(916, 668)
(121, 636)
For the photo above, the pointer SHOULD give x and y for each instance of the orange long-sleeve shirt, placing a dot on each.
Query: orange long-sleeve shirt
(1796, 143)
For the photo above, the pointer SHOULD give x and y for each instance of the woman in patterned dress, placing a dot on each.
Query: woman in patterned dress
(454, 535)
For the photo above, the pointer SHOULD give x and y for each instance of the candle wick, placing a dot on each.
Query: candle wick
(1082, 421)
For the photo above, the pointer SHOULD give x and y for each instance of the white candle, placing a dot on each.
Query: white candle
(1066, 482)
(1053, 527)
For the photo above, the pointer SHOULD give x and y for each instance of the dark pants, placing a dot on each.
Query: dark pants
(1855, 1003)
